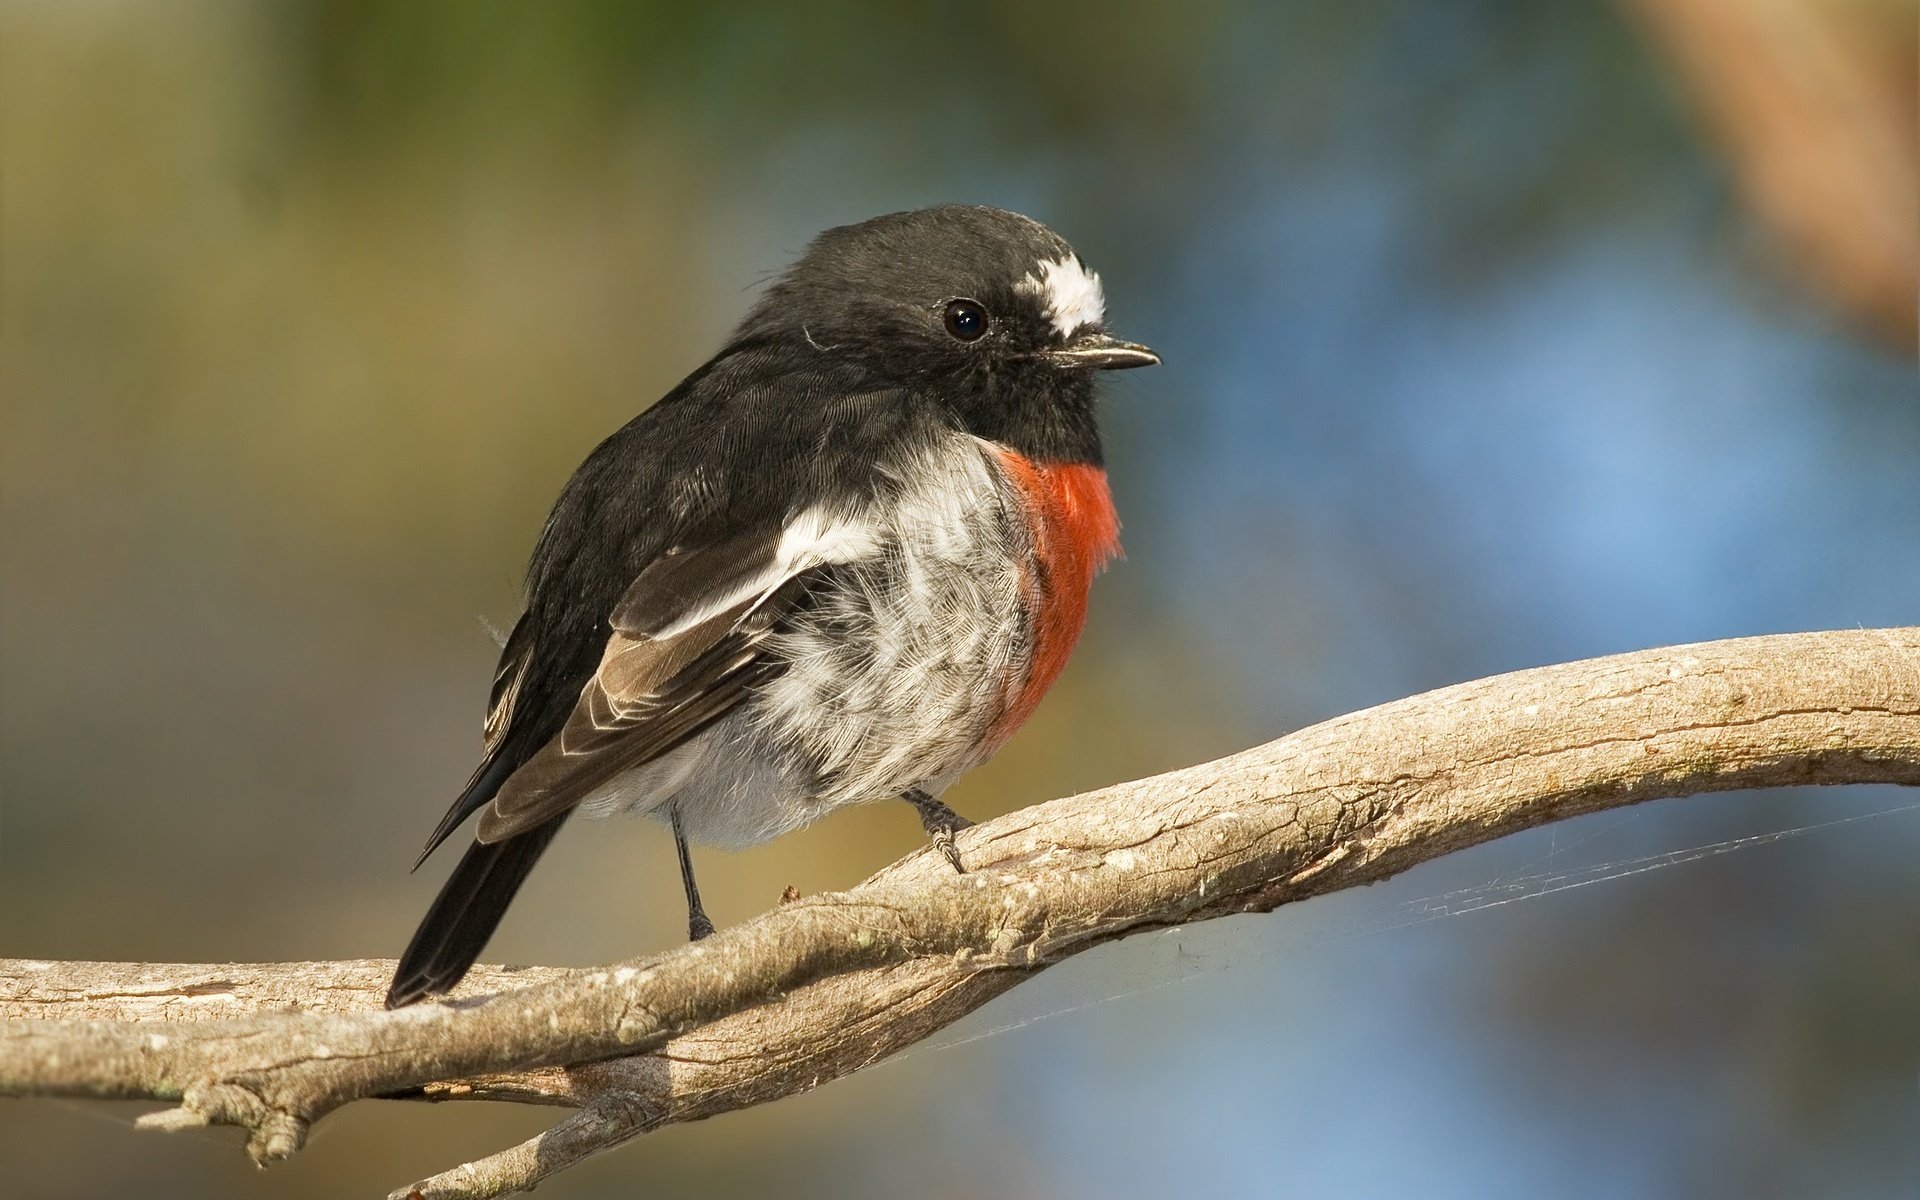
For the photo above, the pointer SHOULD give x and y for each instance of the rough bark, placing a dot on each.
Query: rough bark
(826, 985)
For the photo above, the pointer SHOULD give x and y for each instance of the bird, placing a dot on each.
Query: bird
(840, 562)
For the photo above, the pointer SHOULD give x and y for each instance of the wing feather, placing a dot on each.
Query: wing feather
(683, 646)
(648, 696)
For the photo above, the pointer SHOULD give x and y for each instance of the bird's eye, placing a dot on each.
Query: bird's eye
(966, 320)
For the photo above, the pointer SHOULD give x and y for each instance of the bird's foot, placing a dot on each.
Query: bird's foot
(941, 823)
(698, 926)
(943, 842)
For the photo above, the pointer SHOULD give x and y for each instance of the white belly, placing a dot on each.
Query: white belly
(893, 677)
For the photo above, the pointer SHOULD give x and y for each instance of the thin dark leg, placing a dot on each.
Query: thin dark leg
(697, 924)
(941, 822)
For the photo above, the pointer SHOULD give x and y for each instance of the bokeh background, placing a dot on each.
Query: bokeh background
(1496, 333)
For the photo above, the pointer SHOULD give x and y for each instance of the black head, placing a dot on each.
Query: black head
(989, 311)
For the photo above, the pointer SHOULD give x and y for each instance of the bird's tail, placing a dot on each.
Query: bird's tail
(465, 914)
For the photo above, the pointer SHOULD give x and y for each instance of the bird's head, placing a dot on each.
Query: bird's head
(991, 310)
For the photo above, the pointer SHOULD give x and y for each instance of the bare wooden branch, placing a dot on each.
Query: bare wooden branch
(824, 986)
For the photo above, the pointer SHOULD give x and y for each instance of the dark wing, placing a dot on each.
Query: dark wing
(665, 668)
(629, 647)
(686, 647)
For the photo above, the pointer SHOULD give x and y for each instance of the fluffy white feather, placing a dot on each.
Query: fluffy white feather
(892, 677)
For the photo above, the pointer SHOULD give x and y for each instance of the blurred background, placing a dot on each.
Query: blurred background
(1497, 333)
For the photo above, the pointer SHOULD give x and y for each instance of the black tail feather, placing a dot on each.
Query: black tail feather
(465, 914)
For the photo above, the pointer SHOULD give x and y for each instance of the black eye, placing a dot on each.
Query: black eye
(966, 320)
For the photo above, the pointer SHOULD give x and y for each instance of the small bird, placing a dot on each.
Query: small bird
(841, 562)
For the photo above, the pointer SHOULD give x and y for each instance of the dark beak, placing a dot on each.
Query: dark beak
(1101, 352)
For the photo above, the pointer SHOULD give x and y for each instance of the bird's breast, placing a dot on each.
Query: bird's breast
(903, 660)
(1073, 530)
(912, 663)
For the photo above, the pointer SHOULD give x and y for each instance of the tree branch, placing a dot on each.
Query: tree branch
(823, 986)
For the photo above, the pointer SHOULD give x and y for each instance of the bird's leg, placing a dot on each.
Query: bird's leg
(698, 926)
(939, 821)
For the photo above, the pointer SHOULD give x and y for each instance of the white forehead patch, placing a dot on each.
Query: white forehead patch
(1071, 293)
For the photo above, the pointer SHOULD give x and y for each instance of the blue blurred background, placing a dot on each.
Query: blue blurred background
(1480, 354)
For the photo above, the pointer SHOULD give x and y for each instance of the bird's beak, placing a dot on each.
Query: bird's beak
(1101, 352)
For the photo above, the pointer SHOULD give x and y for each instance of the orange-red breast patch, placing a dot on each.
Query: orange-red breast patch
(1074, 531)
